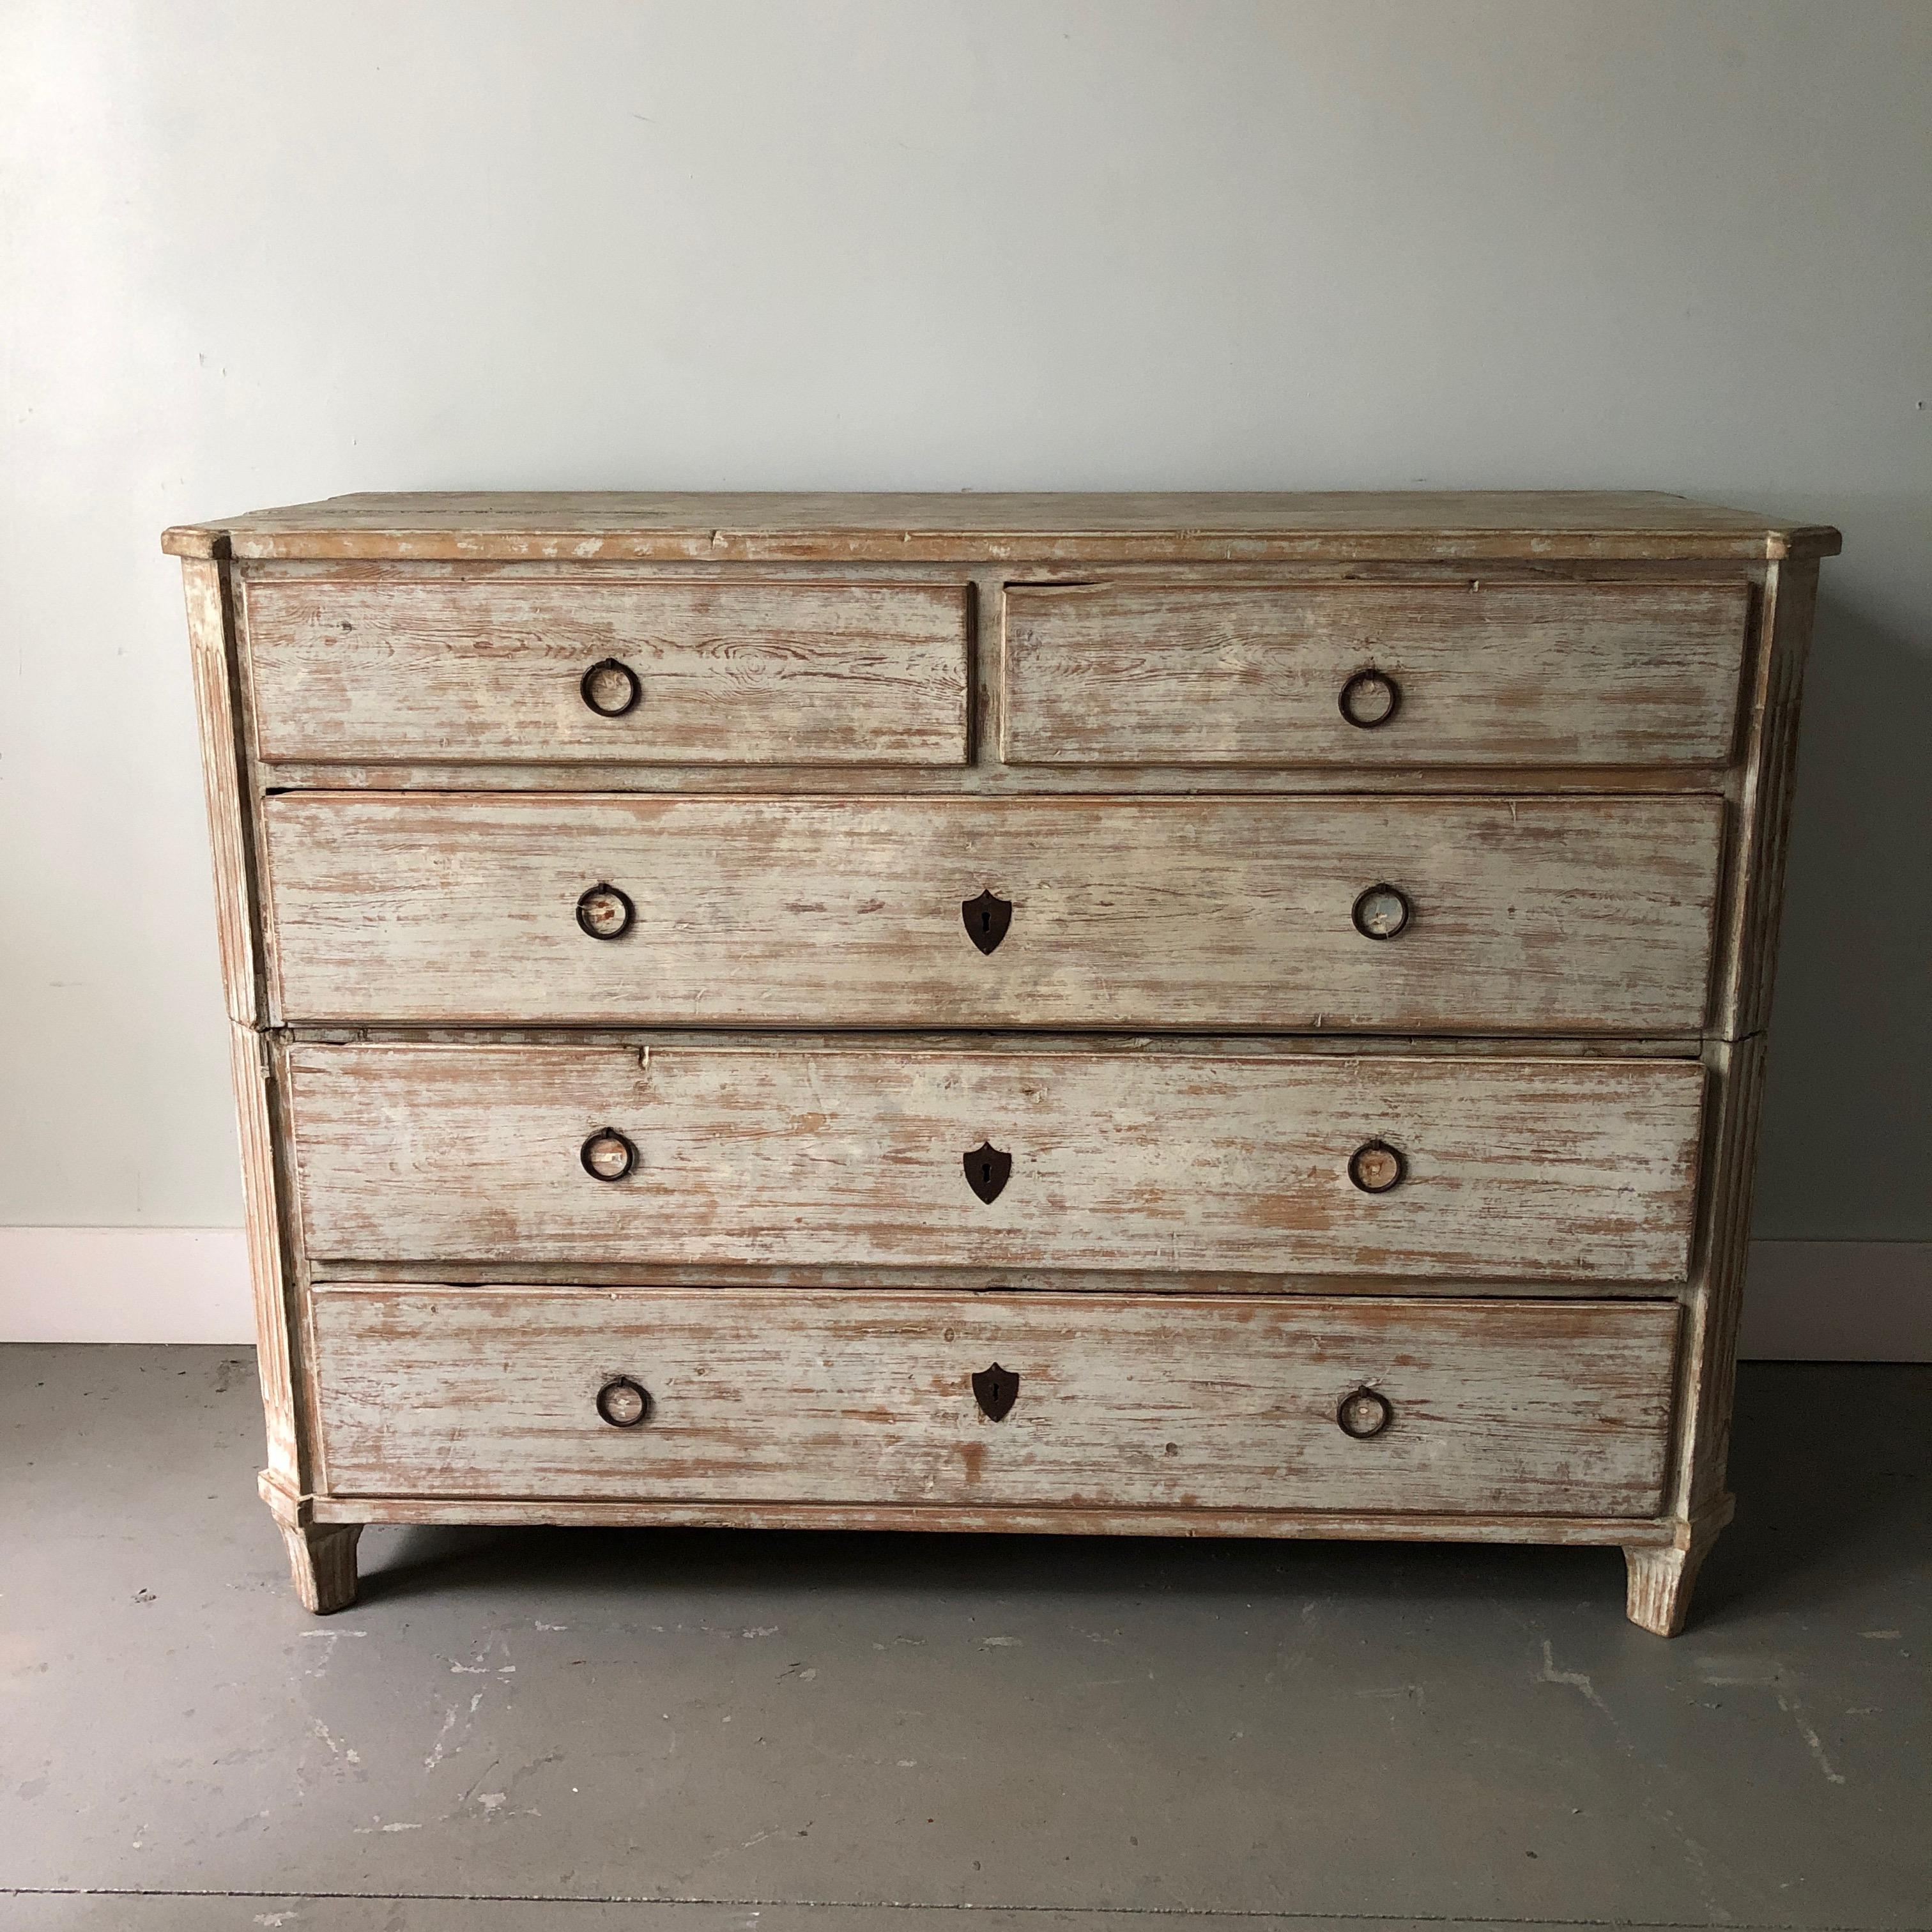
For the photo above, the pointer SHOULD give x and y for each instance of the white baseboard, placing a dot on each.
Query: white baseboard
(1855, 1301)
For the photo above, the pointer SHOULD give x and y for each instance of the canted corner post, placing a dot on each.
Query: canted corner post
(322, 1555)
(1662, 1576)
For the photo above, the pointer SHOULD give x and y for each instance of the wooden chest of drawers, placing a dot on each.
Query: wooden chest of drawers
(1212, 1015)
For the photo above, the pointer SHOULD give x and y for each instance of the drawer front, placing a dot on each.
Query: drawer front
(1529, 674)
(494, 670)
(792, 1155)
(1162, 1401)
(1582, 916)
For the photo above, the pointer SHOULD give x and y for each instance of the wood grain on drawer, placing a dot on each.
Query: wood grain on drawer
(1516, 674)
(492, 670)
(793, 1155)
(1160, 1402)
(1560, 915)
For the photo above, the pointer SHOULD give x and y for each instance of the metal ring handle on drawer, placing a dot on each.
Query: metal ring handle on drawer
(611, 687)
(1370, 699)
(1363, 1413)
(1382, 911)
(1376, 1167)
(605, 911)
(624, 1403)
(608, 1155)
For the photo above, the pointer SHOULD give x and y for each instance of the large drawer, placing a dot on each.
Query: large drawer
(1559, 916)
(1473, 674)
(499, 669)
(1517, 1408)
(797, 1156)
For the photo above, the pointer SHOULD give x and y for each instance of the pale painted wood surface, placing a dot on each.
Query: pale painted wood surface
(322, 1564)
(737, 672)
(1519, 1406)
(230, 833)
(1340, 525)
(800, 1203)
(1556, 1526)
(280, 1310)
(1661, 1577)
(765, 1154)
(1755, 902)
(1559, 915)
(1659, 1592)
(1511, 674)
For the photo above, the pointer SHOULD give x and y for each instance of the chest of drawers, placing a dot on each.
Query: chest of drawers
(1183, 1015)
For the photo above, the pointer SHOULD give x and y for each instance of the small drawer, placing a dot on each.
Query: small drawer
(791, 1155)
(569, 670)
(1096, 1402)
(1373, 676)
(1412, 916)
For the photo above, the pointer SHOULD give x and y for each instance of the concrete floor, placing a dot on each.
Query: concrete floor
(677, 1732)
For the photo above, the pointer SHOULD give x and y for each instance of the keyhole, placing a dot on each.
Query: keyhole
(988, 1169)
(986, 919)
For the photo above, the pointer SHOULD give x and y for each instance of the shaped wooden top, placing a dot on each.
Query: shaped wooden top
(830, 526)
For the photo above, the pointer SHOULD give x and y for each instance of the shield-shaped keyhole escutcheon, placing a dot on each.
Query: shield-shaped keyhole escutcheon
(987, 1170)
(995, 1390)
(987, 919)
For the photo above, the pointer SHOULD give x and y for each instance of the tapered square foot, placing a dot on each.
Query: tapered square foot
(1661, 1580)
(322, 1555)
(322, 1560)
(1660, 1583)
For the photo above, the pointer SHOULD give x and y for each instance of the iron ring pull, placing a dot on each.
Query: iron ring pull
(608, 1155)
(611, 687)
(604, 911)
(1362, 1413)
(1382, 911)
(1369, 699)
(624, 1403)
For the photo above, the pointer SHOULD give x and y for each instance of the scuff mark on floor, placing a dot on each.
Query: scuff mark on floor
(1577, 1680)
(1413, 1692)
(1813, 1743)
(1722, 1670)
(442, 1747)
(328, 1638)
(345, 1753)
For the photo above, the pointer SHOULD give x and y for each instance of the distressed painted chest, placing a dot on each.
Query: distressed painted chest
(1222, 1015)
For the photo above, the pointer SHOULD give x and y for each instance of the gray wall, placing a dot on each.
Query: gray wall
(258, 253)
